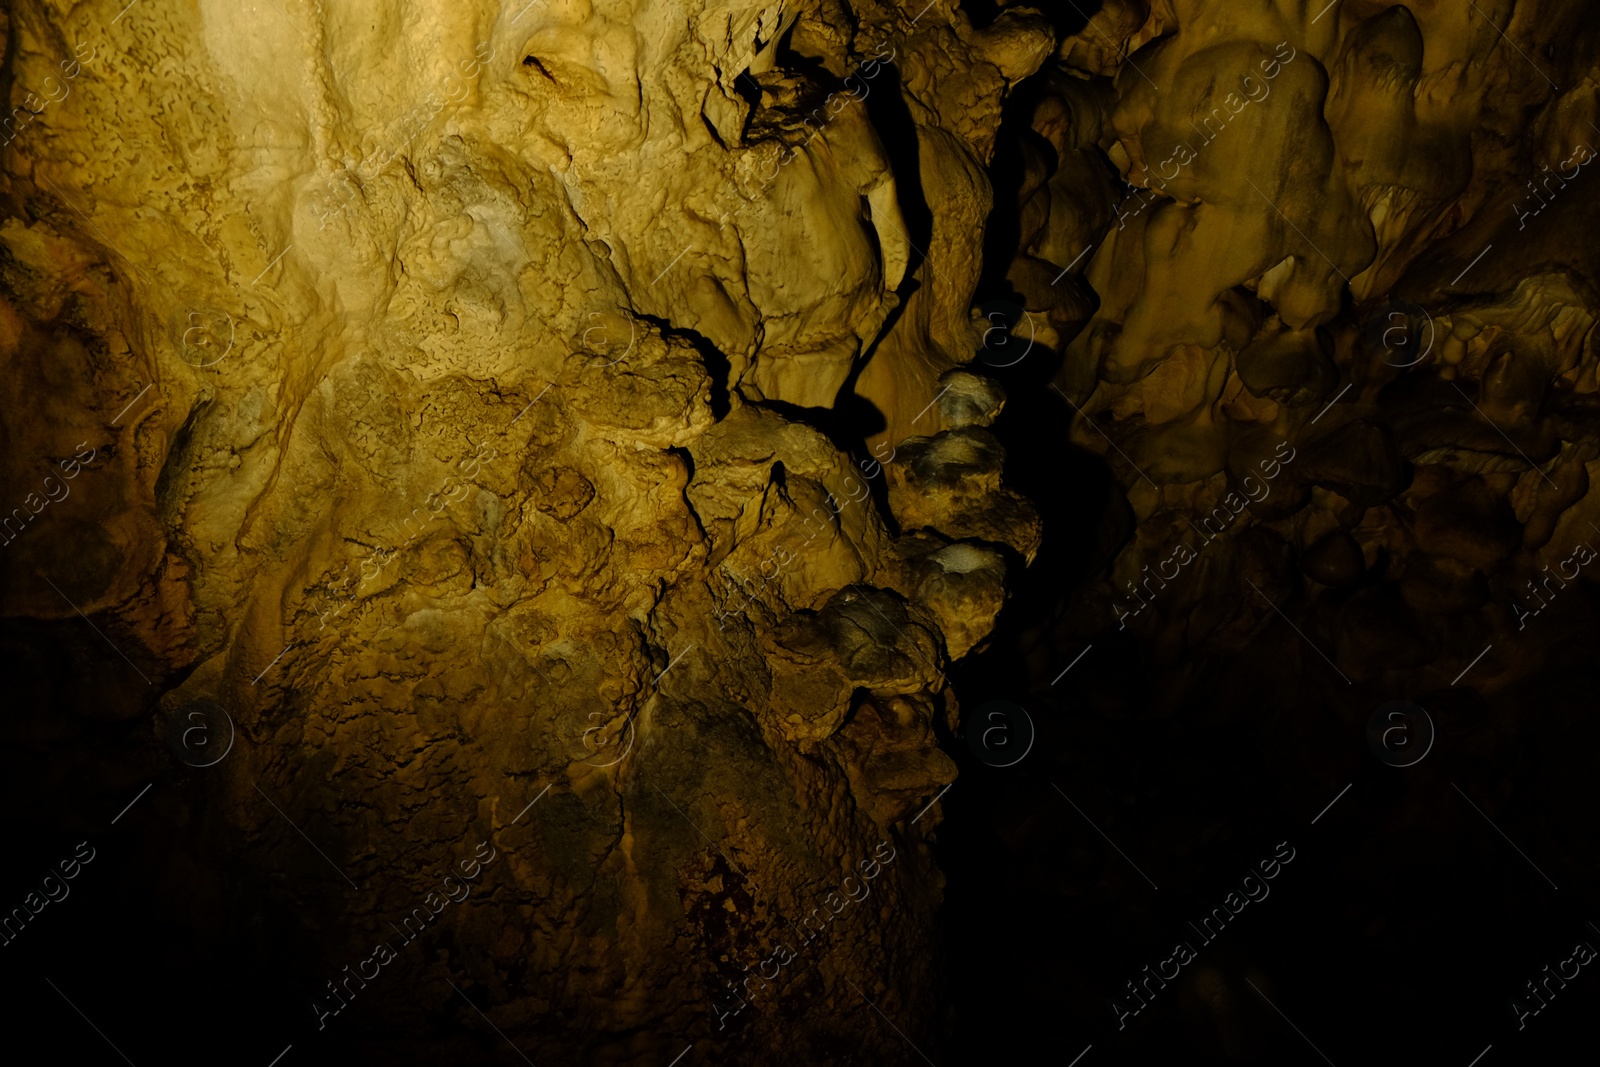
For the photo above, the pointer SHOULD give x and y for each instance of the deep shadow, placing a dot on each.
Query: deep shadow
(898, 133)
(716, 364)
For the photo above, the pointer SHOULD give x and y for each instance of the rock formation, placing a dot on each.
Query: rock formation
(450, 391)
(570, 441)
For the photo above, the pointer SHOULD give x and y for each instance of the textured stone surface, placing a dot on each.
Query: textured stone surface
(447, 377)
(595, 405)
(1343, 252)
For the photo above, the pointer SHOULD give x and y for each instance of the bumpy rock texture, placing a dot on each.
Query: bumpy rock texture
(1323, 282)
(456, 390)
(1340, 302)
(575, 403)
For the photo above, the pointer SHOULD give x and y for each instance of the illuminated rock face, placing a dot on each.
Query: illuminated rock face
(1352, 234)
(438, 384)
(467, 397)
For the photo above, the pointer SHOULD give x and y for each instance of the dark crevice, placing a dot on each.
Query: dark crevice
(716, 363)
(533, 61)
(898, 133)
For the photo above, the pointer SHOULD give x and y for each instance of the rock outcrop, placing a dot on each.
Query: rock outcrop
(486, 403)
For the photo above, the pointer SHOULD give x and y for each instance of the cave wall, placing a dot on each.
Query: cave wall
(478, 406)
(454, 386)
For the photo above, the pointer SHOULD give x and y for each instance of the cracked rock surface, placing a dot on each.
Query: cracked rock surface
(451, 393)
(571, 449)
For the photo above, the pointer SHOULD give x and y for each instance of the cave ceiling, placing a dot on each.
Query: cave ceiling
(590, 485)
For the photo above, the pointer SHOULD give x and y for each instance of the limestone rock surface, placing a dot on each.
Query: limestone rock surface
(446, 389)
